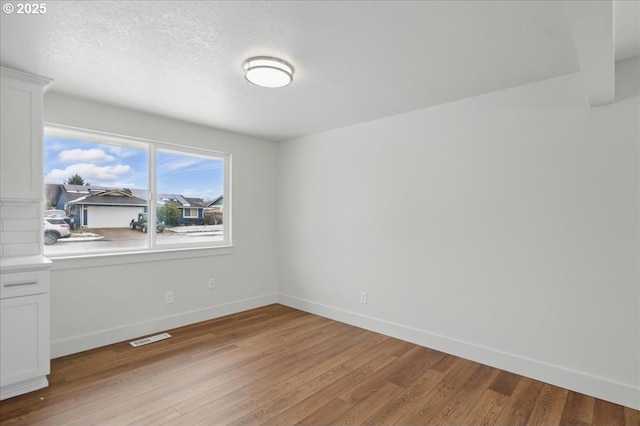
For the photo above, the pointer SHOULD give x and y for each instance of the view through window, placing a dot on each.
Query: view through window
(124, 194)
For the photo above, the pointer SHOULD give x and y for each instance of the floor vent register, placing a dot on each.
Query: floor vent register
(147, 340)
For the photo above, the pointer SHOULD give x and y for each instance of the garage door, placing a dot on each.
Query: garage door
(111, 216)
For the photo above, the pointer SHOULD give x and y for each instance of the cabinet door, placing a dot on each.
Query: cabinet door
(21, 140)
(24, 338)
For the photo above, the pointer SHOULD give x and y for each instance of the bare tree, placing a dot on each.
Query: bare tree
(51, 195)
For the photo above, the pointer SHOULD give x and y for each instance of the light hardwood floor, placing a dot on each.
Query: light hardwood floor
(276, 365)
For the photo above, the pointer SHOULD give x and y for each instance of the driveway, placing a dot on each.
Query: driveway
(114, 234)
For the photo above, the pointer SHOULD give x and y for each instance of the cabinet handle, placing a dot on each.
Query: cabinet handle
(20, 284)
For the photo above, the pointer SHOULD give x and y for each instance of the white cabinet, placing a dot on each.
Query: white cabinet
(21, 136)
(24, 340)
(24, 272)
(24, 327)
(21, 157)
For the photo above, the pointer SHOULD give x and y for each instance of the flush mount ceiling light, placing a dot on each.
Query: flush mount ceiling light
(265, 71)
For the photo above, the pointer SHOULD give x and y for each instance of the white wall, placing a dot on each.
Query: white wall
(99, 301)
(502, 228)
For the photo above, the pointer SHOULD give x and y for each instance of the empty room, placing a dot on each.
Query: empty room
(320, 212)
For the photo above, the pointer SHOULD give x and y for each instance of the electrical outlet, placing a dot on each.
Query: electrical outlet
(212, 283)
(168, 297)
(363, 297)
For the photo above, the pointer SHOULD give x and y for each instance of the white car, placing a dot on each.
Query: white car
(60, 214)
(55, 228)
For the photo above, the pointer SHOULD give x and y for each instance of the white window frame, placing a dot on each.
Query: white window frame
(190, 216)
(152, 146)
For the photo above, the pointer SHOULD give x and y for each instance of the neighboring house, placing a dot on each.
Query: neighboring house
(195, 209)
(217, 205)
(111, 208)
(58, 195)
(62, 197)
(213, 211)
(105, 207)
(191, 209)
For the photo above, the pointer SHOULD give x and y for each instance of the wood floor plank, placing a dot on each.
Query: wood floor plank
(578, 409)
(361, 411)
(276, 365)
(392, 410)
(421, 361)
(304, 410)
(152, 414)
(257, 355)
(505, 383)
(331, 370)
(487, 410)
(548, 408)
(378, 378)
(264, 379)
(631, 417)
(397, 408)
(438, 398)
(39, 406)
(314, 408)
(521, 402)
(445, 364)
(607, 414)
(466, 397)
(326, 414)
(157, 418)
(264, 391)
(282, 385)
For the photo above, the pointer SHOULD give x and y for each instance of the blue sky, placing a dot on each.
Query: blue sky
(125, 167)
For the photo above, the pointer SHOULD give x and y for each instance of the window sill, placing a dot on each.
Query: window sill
(110, 259)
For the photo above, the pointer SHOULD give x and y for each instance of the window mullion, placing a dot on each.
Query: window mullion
(151, 224)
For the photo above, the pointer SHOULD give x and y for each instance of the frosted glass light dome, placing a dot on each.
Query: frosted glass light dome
(268, 72)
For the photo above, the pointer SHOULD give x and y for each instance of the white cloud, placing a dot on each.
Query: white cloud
(176, 165)
(95, 155)
(95, 175)
(121, 152)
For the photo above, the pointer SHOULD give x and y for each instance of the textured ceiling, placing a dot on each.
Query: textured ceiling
(355, 61)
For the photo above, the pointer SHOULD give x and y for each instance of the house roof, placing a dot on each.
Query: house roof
(75, 192)
(217, 202)
(85, 194)
(83, 189)
(180, 201)
(112, 197)
(196, 202)
(175, 199)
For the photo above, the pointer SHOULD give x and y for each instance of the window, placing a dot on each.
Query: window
(122, 194)
(190, 213)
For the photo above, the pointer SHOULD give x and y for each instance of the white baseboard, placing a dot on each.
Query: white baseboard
(131, 331)
(15, 389)
(599, 387)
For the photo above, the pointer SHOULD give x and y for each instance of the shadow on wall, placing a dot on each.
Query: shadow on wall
(627, 79)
